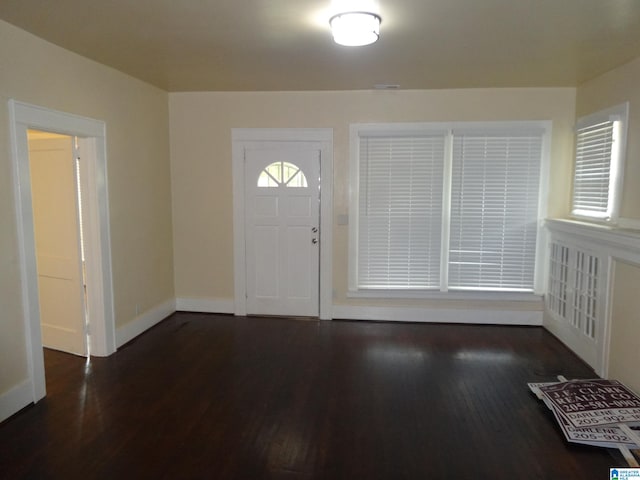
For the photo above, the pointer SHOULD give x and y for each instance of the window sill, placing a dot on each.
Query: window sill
(451, 295)
(609, 236)
(620, 223)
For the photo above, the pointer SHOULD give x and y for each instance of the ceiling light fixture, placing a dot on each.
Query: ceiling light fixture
(354, 29)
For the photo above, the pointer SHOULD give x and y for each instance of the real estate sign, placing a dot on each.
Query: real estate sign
(607, 436)
(593, 403)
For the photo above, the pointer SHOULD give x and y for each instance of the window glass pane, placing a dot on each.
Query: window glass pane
(592, 174)
(494, 211)
(275, 170)
(298, 180)
(289, 170)
(490, 175)
(599, 163)
(282, 173)
(266, 180)
(400, 212)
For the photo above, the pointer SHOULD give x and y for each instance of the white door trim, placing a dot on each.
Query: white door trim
(242, 137)
(92, 135)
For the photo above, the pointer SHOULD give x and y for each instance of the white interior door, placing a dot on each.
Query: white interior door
(57, 236)
(282, 221)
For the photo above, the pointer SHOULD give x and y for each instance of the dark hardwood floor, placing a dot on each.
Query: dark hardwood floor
(213, 396)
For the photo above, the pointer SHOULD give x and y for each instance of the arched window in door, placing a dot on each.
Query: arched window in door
(283, 174)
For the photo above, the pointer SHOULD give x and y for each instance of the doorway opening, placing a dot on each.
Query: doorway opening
(57, 178)
(91, 141)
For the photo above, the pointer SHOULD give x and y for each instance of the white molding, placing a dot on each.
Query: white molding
(22, 117)
(205, 305)
(282, 134)
(97, 245)
(539, 277)
(326, 223)
(27, 256)
(606, 330)
(323, 137)
(447, 295)
(610, 113)
(239, 251)
(439, 315)
(45, 119)
(127, 332)
(604, 239)
(15, 399)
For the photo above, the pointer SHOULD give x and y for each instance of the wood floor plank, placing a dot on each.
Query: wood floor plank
(214, 396)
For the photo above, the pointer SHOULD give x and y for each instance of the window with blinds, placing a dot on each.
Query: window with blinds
(400, 211)
(445, 206)
(598, 163)
(592, 174)
(494, 210)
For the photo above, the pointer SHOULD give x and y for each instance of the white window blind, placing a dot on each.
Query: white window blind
(494, 210)
(592, 176)
(601, 139)
(400, 211)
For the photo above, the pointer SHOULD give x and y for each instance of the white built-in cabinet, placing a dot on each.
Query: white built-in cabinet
(579, 278)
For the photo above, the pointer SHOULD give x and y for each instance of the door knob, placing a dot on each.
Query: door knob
(314, 240)
(314, 229)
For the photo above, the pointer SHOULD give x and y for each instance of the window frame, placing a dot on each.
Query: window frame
(616, 113)
(448, 128)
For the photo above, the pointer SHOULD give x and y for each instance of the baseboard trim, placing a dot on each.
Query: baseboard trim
(205, 305)
(15, 399)
(439, 315)
(397, 314)
(144, 322)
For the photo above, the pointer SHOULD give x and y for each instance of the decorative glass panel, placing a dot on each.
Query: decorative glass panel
(586, 294)
(297, 180)
(282, 174)
(558, 279)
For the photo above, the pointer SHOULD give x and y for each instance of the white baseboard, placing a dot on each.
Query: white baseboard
(438, 315)
(205, 305)
(400, 314)
(15, 399)
(142, 323)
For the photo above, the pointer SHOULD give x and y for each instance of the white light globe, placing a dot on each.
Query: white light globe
(354, 29)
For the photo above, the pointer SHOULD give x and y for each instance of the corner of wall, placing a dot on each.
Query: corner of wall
(127, 332)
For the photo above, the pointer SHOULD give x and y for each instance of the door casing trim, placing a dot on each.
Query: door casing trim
(92, 136)
(245, 137)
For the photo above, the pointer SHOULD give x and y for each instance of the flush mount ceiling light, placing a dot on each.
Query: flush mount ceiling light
(354, 29)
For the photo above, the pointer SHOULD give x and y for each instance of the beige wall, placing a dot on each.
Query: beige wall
(136, 116)
(624, 360)
(201, 169)
(617, 86)
(613, 88)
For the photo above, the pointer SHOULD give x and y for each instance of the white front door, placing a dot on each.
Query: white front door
(57, 235)
(282, 221)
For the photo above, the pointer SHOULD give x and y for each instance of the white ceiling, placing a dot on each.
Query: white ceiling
(237, 45)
